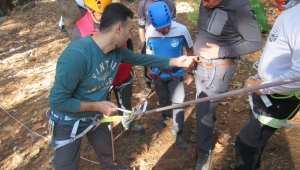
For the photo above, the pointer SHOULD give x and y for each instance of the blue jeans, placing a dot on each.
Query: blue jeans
(206, 111)
(171, 91)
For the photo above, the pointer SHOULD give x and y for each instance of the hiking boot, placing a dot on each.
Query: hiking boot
(232, 167)
(161, 123)
(193, 137)
(146, 93)
(136, 127)
(181, 143)
(203, 161)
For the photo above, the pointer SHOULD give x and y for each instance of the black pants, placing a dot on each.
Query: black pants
(147, 79)
(68, 156)
(123, 94)
(254, 136)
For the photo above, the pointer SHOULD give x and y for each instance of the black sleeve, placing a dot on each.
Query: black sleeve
(76, 35)
(130, 44)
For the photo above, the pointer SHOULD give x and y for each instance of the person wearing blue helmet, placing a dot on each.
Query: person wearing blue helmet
(144, 22)
(168, 38)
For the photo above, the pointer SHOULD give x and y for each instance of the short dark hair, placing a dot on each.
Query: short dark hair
(113, 14)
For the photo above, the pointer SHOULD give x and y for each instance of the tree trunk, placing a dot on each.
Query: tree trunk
(5, 7)
(70, 12)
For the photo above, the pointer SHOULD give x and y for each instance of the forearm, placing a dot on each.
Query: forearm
(174, 62)
(61, 103)
(243, 48)
(104, 107)
(246, 26)
(88, 106)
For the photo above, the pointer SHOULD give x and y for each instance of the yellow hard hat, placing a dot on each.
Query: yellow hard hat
(97, 5)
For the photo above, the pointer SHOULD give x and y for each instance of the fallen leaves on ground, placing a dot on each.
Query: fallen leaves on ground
(38, 126)
(134, 156)
(154, 135)
(144, 146)
(224, 139)
(168, 121)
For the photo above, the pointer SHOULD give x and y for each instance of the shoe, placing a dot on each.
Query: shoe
(161, 123)
(203, 161)
(232, 167)
(181, 143)
(146, 93)
(193, 137)
(121, 168)
(136, 127)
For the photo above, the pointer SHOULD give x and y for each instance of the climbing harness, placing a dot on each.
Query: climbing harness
(211, 64)
(55, 116)
(168, 71)
(266, 120)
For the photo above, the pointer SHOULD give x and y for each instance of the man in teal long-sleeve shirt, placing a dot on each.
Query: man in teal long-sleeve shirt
(84, 73)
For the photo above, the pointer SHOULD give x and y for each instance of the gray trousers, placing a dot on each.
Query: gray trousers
(68, 156)
(171, 91)
(206, 111)
(123, 95)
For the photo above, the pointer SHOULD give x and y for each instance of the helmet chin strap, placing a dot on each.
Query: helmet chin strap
(93, 16)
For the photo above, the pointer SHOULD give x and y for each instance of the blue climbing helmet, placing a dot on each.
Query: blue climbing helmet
(159, 15)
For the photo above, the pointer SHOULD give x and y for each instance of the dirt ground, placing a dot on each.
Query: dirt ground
(29, 47)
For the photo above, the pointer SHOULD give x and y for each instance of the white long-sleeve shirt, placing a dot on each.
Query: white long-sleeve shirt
(281, 56)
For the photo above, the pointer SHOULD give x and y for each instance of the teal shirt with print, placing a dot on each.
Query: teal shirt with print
(85, 73)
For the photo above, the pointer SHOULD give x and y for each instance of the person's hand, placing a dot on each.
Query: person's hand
(210, 53)
(256, 83)
(189, 79)
(107, 108)
(182, 61)
(252, 82)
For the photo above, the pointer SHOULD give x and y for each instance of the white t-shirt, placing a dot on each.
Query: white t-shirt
(281, 56)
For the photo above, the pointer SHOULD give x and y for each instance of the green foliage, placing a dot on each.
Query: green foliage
(193, 16)
(260, 15)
